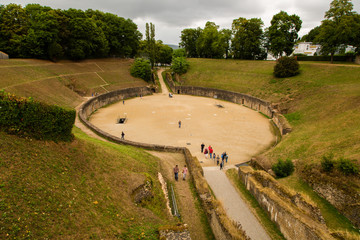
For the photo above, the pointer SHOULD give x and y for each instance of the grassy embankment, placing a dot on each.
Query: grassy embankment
(321, 104)
(65, 83)
(74, 190)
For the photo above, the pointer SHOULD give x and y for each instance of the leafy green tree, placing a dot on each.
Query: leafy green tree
(311, 36)
(180, 65)
(13, 29)
(179, 53)
(339, 8)
(189, 38)
(151, 43)
(86, 39)
(341, 27)
(43, 33)
(141, 68)
(283, 33)
(164, 53)
(248, 36)
(209, 43)
(226, 40)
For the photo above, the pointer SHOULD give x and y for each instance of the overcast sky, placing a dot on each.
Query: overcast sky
(172, 16)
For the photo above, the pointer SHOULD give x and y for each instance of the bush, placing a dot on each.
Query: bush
(328, 162)
(180, 65)
(25, 117)
(348, 166)
(283, 168)
(141, 68)
(286, 67)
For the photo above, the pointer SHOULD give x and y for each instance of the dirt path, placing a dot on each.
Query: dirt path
(234, 205)
(164, 89)
(184, 196)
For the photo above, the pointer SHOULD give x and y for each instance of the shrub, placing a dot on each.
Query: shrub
(348, 166)
(328, 162)
(286, 67)
(283, 168)
(28, 118)
(141, 68)
(180, 65)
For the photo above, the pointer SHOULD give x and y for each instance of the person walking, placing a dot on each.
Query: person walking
(176, 172)
(226, 157)
(179, 124)
(202, 147)
(206, 153)
(184, 172)
(122, 135)
(211, 151)
(214, 157)
(221, 165)
(217, 160)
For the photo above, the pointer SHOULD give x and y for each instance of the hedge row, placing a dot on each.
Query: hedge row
(326, 58)
(28, 118)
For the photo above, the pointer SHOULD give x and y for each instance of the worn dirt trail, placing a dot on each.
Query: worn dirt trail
(184, 196)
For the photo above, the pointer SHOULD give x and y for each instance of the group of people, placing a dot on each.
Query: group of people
(176, 172)
(209, 151)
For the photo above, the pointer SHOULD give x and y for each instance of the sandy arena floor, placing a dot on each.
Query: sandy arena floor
(239, 131)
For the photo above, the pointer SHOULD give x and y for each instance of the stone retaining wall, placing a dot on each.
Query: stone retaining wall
(238, 98)
(223, 228)
(295, 217)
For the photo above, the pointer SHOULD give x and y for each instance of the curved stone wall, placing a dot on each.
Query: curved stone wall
(222, 226)
(239, 98)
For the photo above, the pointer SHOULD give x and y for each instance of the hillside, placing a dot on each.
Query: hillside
(72, 80)
(321, 104)
(77, 190)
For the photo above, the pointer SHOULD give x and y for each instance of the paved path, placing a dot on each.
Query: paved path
(234, 205)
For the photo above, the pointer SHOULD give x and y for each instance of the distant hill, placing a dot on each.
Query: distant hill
(173, 46)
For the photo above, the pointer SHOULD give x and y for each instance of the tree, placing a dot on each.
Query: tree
(226, 40)
(179, 53)
(329, 38)
(13, 29)
(341, 27)
(247, 40)
(339, 8)
(164, 53)
(151, 43)
(311, 36)
(141, 68)
(209, 43)
(283, 33)
(180, 65)
(189, 38)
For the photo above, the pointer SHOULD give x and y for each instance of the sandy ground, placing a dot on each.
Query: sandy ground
(238, 130)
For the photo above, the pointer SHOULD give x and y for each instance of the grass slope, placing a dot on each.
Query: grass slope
(322, 105)
(76, 190)
(72, 80)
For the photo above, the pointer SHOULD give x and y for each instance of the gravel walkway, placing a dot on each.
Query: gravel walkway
(234, 205)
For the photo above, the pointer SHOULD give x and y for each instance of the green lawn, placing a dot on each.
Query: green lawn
(77, 190)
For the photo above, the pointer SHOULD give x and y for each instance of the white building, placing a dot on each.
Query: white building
(307, 48)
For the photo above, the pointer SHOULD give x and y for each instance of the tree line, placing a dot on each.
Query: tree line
(42, 32)
(247, 38)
